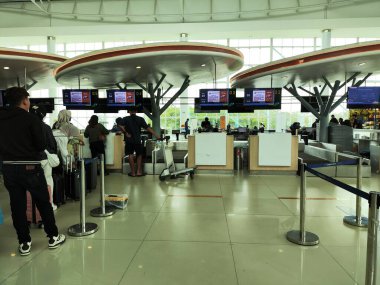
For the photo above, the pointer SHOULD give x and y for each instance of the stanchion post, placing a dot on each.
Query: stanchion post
(358, 220)
(302, 237)
(373, 227)
(102, 211)
(83, 228)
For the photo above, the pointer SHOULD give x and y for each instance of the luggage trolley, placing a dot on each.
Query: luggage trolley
(170, 170)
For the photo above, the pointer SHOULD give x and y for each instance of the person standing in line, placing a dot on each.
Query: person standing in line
(333, 120)
(22, 171)
(131, 127)
(187, 130)
(96, 134)
(51, 147)
(64, 131)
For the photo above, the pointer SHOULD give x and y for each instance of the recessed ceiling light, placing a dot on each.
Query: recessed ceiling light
(138, 67)
(6, 67)
(362, 63)
(203, 65)
(85, 78)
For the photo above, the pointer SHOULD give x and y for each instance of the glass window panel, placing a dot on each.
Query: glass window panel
(79, 46)
(60, 47)
(70, 47)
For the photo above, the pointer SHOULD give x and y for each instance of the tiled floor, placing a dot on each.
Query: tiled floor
(215, 229)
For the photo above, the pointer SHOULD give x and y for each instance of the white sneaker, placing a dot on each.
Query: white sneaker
(55, 241)
(24, 248)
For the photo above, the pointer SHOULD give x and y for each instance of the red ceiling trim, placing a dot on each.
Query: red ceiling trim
(307, 59)
(141, 50)
(32, 55)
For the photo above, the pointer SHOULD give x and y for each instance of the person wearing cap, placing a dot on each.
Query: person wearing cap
(51, 147)
(20, 146)
(131, 127)
(96, 134)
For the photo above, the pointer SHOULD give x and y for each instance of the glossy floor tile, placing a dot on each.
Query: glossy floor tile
(216, 229)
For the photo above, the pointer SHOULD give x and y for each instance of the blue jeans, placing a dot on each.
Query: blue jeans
(21, 178)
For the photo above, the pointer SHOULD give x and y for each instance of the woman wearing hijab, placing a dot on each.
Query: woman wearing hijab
(96, 133)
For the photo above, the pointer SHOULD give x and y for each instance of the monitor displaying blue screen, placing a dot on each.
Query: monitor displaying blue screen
(215, 97)
(363, 97)
(262, 98)
(78, 98)
(124, 98)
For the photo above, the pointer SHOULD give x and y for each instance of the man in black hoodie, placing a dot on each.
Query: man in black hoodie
(21, 142)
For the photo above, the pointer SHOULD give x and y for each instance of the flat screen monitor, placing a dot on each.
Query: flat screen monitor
(47, 103)
(124, 98)
(262, 98)
(238, 107)
(313, 102)
(147, 103)
(102, 108)
(199, 109)
(2, 98)
(79, 97)
(215, 97)
(363, 97)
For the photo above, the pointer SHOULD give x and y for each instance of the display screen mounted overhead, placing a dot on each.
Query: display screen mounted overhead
(79, 97)
(363, 97)
(215, 97)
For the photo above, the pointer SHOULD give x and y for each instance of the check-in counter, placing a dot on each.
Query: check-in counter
(273, 152)
(211, 151)
(114, 151)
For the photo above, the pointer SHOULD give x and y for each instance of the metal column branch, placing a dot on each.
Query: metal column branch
(325, 108)
(156, 94)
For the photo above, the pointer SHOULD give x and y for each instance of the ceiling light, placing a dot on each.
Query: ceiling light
(6, 67)
(85, 78)
(138, 67)
(284, 77)
(362, 63)
(203, 65)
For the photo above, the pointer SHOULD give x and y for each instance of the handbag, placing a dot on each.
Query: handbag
(52, 158)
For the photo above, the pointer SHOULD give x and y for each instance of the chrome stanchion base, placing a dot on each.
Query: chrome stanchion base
(98, 212)
(352, 221)
(295, 237)
(77, 231)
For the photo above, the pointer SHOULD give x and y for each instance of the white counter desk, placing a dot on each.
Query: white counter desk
(114, 151)
(273, 152)
(211, 151)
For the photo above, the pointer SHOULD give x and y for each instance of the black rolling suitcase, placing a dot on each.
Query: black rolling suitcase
(91, 167)
(72, 181)
(59, 189)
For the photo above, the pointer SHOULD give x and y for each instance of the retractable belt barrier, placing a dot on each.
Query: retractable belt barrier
(302, 237)
(327, 164)
(338, 183)
(83, 228)
(103, 210)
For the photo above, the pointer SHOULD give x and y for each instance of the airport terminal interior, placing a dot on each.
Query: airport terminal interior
(268, 117)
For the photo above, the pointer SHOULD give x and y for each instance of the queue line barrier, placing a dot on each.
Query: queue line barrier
(83, 228)
(305, 238)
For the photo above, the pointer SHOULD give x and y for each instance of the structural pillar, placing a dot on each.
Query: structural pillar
(184, 108)
(326, 38)
(51, 48)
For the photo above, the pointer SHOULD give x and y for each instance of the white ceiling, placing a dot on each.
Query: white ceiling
(201, 19)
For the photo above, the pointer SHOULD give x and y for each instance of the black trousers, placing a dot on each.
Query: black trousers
(21, 178)
(97, 148)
